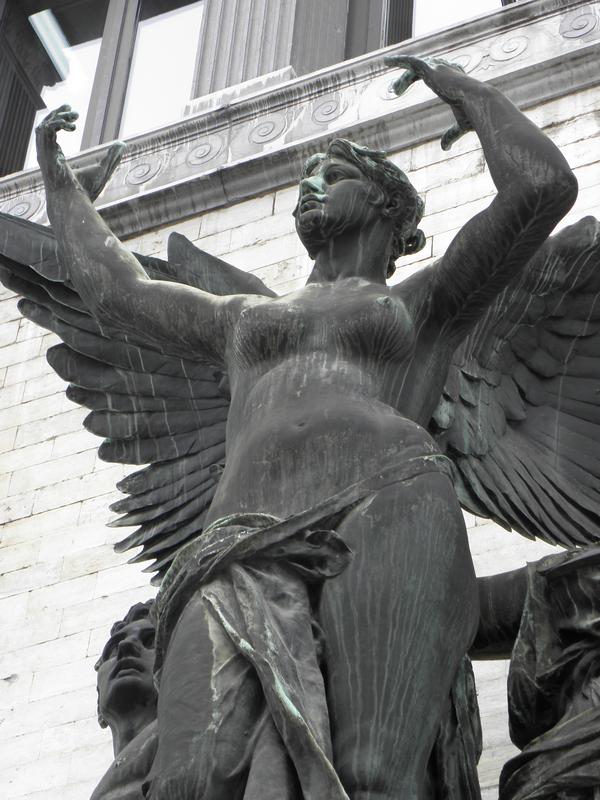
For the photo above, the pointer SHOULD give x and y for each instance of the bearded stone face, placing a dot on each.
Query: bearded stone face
(334, 198)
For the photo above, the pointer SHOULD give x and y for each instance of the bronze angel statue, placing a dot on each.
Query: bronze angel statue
(308, 454)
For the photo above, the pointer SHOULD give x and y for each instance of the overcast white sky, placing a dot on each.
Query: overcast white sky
(430, 15)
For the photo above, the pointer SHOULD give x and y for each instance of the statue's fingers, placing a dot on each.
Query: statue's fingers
(413, 63)
(452, 135)
(401, 84)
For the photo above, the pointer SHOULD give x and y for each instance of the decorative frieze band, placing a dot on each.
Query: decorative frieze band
(534, 51)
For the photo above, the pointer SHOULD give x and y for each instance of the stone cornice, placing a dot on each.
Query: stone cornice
(533, 51)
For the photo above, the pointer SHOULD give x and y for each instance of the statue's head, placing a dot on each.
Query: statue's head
(125, 679)
(387, 191)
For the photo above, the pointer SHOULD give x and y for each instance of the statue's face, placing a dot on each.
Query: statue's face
(125, 675)
(334, 198)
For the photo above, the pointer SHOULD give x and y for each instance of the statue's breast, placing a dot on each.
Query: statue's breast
(368, 324)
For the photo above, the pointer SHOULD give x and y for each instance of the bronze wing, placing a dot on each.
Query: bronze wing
(520, 412)
(152, 408)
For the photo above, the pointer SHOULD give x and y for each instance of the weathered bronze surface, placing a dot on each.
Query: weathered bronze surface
(308, 454)
(127, 703)
(553, 687)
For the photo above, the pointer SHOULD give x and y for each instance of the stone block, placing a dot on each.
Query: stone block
(564, 109)
(19, 351)
(452, 194)
(27, 578)
(21, 529)
(431, 152)
(68, 791)
(47, 773)
(265, 253)
(9, 310)
(575, 130)
(155, 241)
(101, 612)
(97, 641)
(441, 242)
(28, 330)
(238, 214)
(71, 540)
(269, 228)
(455, 217)
(119, 579)
(41, 430)
(286, 199)
(14, 689)
(90, 560)
(7, 440)
(87, 761)
(69, 491)
(42, 408)
(75, 442)
(451, 170)
(16, 507)
(46, 654)
(51, 472)
(43, 386)
(11, 396)
(40, 714)
(62, 594)
(20, 750)
(43, 626)
(53, 680)
(9, 332)
(68, 737)
(27, 370)
(26, 457)
(95, 510)
(17, 556)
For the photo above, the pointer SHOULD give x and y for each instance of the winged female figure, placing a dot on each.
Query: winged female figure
(318, 593)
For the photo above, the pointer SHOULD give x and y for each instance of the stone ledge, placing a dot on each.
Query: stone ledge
(534, 51)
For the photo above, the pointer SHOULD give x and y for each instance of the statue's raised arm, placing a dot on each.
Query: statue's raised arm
(109, 278)
(536, 188)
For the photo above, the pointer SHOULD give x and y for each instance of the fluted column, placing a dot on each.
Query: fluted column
(242, 39)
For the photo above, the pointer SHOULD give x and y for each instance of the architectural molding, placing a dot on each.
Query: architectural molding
(533, 51)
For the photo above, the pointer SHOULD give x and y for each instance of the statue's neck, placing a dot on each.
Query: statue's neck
(359, 253)
(126, 727)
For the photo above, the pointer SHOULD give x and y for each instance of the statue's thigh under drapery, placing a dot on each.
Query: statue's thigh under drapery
(396, 623)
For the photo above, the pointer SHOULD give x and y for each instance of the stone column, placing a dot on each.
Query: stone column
(242, 39)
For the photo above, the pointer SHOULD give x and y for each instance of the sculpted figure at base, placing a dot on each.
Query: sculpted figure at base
(309, 453)
(127, 704)
(554, 682)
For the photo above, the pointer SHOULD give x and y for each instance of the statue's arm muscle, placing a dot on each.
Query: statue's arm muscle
(109, 278)
(536, 188)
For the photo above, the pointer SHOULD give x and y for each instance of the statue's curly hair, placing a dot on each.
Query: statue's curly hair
(137, 612)
(375, 165)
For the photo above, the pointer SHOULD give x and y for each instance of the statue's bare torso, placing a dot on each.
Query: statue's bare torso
(317, 386)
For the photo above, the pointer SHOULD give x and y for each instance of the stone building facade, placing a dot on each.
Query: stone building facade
(224, 177)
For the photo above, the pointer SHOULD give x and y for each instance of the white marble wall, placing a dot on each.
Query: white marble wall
(61, 584)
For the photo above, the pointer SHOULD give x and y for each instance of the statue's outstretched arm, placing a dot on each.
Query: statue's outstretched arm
(535, 186)
(109, 278)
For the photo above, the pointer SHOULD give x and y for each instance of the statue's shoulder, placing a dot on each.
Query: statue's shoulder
(124, 778)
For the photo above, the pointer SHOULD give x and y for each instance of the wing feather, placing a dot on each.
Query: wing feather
(167, 412)
(527, 445)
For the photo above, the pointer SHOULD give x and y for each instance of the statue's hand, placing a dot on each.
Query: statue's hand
(62, 119)
(447, 80)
